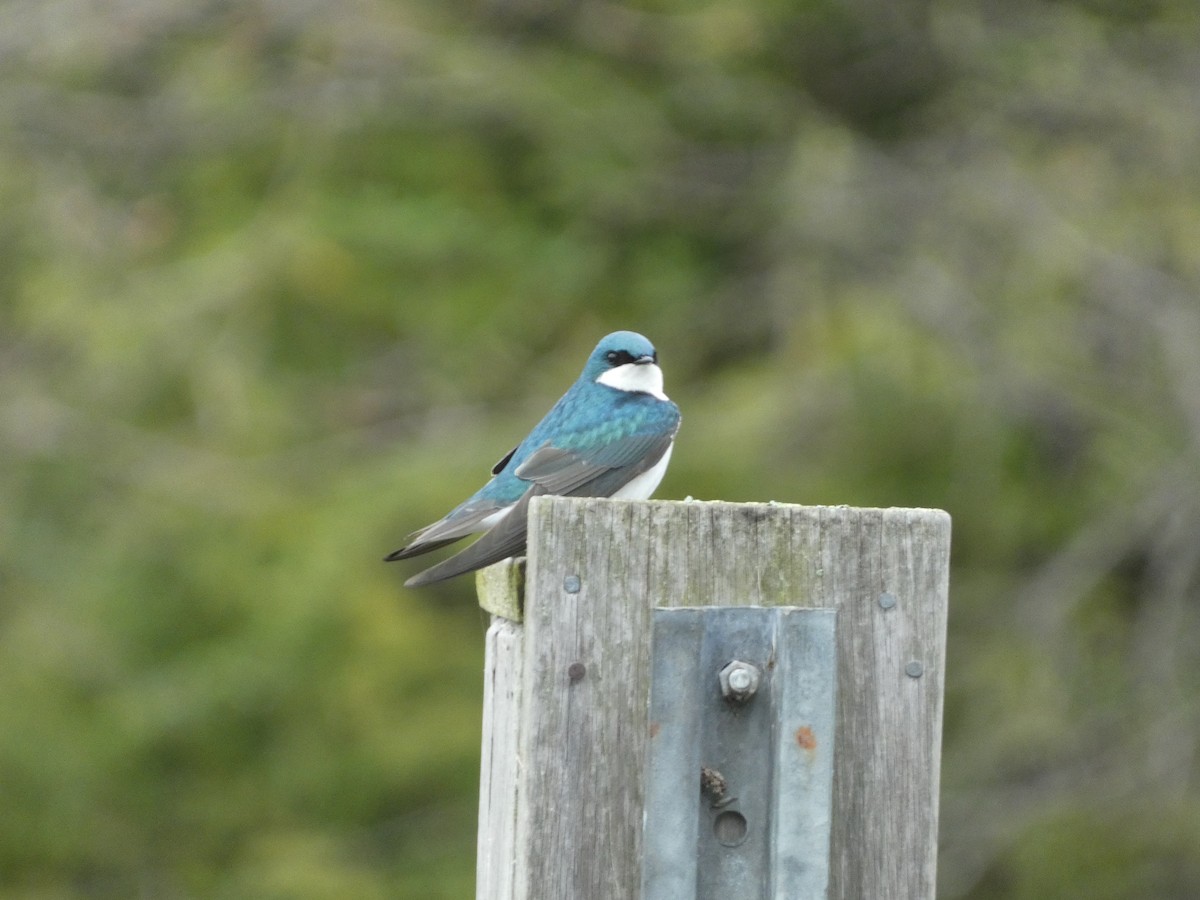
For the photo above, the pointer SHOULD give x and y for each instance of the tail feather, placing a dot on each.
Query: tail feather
(506, 539)
(454, 527)
(417, 549)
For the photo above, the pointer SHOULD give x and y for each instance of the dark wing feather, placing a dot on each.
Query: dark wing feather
(499, 467)
(599, 474)
(506, 539)
(444, 531)
(417, 549)
(551, 470)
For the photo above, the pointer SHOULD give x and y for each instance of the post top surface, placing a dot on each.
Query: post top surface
(757, 506)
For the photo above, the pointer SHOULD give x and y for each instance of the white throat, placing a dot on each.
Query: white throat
(646, 379)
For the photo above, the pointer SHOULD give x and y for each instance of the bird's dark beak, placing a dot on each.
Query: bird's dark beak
(643, 360)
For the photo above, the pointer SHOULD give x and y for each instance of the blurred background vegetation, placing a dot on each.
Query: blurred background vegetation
(281, 280)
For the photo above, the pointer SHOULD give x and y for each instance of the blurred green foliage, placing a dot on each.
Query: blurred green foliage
(280, 280)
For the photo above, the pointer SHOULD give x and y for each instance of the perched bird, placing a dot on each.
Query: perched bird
(610, 435)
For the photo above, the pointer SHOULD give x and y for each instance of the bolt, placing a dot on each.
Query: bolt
(571, 584)
(914, 669)
(739, 681)
(887, 600)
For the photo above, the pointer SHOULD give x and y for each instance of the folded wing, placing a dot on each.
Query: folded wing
(549, 470)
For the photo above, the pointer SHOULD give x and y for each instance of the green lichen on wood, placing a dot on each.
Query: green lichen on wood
(501, 589)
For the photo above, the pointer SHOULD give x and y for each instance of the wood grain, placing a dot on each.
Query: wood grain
(499, 790)
(577, 712)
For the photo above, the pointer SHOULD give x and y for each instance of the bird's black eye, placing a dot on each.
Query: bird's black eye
(618, 357)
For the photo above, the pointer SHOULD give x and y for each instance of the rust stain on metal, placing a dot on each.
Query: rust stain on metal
(655, 728)
(805, 738)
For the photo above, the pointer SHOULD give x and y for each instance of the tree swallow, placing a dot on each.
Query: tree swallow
(610, 435)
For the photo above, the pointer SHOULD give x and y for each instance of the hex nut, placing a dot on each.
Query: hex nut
(739, 681)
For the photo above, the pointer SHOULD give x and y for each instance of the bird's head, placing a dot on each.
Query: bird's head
(626, 361)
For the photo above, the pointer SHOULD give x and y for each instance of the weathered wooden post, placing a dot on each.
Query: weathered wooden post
(571, 776)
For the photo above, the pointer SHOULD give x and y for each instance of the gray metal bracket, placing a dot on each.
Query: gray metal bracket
(740, 761)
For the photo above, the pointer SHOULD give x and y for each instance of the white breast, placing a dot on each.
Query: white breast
(644, 485)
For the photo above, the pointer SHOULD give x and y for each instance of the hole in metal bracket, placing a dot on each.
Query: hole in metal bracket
(730, 828)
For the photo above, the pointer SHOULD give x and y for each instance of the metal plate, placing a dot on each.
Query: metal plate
(758, 826)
